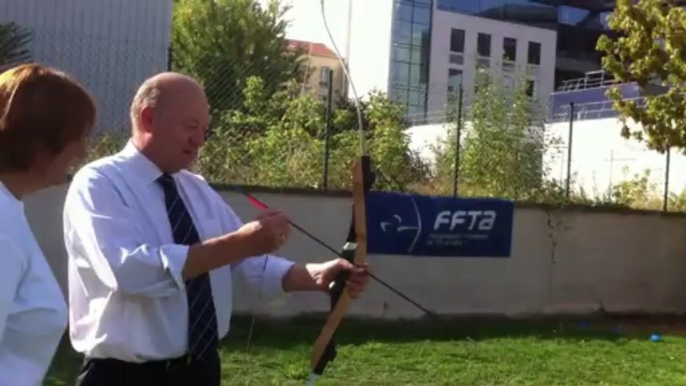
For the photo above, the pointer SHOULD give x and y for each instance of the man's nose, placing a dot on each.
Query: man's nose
(197, 139)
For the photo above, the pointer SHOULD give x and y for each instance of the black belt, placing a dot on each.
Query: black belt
(162, 364)
(170, 364)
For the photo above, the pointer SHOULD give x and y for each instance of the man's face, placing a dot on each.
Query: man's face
(180, 127)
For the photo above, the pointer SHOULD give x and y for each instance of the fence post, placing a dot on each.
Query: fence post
(572, 113)
(665, 200)
(327, 138)
(458, 134)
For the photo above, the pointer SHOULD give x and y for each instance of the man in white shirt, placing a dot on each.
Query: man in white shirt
(152, 249)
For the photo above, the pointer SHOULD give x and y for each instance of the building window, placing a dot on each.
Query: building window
(401, 54)
(324, 76)
(534, 53)
(422, 15)
(399, 94)
(416, 97)
(510, 49)
(415, 74)
(420, 32)
(454, 80)
(402, 32)
(456, 40)
(401, 74)
(483, 45)
(403, 11)
(531, 88)
(509, 83)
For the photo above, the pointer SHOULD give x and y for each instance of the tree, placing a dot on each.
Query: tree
(102, 144)
(637, 191)
(222, 43)
(280, 141)
(502, 147)
(14, 41)
(651, 50)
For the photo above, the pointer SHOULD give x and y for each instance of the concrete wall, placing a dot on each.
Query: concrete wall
(562, 262)
(111, 46)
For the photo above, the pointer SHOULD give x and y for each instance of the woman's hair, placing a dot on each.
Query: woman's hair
(41, 110)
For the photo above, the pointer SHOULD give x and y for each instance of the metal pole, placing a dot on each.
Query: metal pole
(348, 31)
(329, 113)
(665, 201)
(458, 134)
(169, 58)
(612, 165)
(569, 147)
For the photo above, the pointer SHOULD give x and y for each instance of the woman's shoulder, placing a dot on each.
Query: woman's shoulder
(14, 257)
(12, 214)
(13, 225)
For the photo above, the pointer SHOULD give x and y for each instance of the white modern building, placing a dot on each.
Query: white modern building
(111, 46)
(420, 51)
(509, 51)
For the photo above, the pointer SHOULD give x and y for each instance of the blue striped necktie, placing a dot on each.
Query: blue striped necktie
(202, 318)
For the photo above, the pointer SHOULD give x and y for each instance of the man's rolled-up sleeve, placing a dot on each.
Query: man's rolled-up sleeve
(268, 279)
(103, 235)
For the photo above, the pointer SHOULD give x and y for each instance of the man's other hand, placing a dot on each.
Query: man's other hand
(324, 274)
(267, 233)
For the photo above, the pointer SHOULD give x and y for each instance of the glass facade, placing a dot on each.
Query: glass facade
(410, 50)
(543, 13)
(525, 11)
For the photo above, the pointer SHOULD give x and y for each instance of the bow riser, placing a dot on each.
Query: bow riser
(324, 348)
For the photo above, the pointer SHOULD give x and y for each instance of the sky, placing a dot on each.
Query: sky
(306, 21)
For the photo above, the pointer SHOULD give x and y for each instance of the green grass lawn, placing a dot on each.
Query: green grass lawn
(544, 353)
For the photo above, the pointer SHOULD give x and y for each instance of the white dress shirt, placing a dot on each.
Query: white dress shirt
(126, 293)
(33, 312)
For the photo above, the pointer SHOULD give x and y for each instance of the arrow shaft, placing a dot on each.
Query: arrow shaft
(260, 204)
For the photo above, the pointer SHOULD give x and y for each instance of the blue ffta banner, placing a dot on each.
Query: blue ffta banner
(414, 225)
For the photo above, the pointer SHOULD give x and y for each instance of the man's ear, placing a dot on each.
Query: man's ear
(147, 117)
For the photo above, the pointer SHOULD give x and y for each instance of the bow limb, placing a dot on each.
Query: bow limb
(355, 251)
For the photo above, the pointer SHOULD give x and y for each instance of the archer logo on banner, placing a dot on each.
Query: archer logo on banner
(452, 226)
(396, 225)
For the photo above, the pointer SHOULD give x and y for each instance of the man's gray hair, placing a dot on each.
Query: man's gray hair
(153, 90)
(148, 94)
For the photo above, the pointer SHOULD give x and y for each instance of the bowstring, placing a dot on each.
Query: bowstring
(363, 149)
(255, 302)
(356, 98)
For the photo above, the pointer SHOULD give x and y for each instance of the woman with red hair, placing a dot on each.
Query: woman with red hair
(45, 119)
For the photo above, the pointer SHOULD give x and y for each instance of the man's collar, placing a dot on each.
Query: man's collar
(144, 169)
